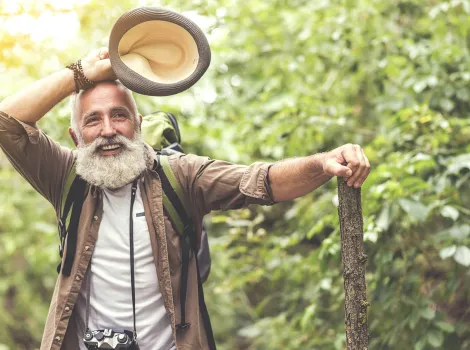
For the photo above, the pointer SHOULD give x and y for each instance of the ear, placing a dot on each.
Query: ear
(74, 137)
(140, 123)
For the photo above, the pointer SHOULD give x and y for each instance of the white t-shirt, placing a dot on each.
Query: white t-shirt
(110, 288)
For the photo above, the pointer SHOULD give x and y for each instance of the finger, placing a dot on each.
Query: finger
(104, 53)
(359, 163)
(333, 168)
(350, 157)
(95, 53)
(361, 170)
(365, 173)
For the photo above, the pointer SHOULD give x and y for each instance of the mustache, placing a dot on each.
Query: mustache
(103, 141)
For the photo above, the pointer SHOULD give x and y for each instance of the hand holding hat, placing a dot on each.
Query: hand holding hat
(97, 66)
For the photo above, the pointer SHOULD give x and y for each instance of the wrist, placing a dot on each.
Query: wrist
(68, 76)
(80, 79)
(317, 162)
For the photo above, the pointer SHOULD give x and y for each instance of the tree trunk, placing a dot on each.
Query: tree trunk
(354, 260)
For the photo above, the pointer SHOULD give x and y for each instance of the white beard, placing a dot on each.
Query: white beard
(113, 171)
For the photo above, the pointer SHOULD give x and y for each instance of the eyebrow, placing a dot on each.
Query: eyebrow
(120, 109)
(91, 114)
(88, 115)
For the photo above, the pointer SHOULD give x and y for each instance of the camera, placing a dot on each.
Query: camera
(110, 339)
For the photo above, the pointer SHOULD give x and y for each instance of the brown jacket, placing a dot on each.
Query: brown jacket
(209, 185)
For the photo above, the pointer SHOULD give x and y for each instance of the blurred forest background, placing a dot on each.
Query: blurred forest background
(288, 78)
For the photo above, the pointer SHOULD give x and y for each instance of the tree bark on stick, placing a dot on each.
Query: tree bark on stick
(354, 260)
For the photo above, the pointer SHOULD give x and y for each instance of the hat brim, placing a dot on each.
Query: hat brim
(158, 52)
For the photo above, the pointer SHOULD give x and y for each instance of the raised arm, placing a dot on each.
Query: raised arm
(33, 102)
(293, 178)
(39, 159)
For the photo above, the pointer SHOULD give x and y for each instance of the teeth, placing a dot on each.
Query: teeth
(110, 147)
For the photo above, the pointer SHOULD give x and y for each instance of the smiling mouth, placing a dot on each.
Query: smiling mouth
(110, 147)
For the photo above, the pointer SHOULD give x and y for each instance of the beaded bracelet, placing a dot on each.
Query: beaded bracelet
(81, 81)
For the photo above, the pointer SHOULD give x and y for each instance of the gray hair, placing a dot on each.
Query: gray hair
(73, 111)
(73, 115)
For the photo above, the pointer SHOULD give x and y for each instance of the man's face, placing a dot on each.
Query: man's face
(106, 111)
(111, 152)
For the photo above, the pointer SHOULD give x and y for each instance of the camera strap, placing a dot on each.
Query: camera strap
(88, 282)
(131, 246)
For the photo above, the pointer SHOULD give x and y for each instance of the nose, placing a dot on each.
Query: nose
(107, 129)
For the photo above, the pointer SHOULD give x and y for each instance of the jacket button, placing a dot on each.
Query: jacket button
(57, 338)
(95, 217)
(87, 247)
(77, 278)
(67, 309)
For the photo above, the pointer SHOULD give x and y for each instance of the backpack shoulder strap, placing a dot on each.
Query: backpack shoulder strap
(174, 122)
(174, 203)
(174, 198)
(66, 198)
(73, 196)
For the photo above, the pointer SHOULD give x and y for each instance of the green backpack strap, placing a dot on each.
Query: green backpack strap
(176, 206)
(174, 199)
(174, 203)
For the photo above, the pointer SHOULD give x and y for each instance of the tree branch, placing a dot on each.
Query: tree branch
(354, 260)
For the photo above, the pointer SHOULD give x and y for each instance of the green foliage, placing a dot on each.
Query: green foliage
(291, 78)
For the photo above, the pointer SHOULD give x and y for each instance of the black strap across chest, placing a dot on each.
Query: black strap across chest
(74, 202)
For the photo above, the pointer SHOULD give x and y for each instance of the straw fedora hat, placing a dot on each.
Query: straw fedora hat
(158, 52)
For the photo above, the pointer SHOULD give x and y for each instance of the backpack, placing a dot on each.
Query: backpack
(161, 131)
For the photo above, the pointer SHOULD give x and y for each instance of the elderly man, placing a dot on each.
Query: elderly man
(111, 156)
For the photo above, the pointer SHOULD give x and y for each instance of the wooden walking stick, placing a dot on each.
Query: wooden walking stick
(354, 260)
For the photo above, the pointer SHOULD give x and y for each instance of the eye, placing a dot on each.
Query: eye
(92, 121)
(120, 116)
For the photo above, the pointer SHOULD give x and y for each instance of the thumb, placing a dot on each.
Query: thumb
(333, 168)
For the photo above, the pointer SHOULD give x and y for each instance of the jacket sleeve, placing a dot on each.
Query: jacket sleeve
(39, 159)
(219, 185)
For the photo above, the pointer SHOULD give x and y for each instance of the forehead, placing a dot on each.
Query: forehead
(102, 98)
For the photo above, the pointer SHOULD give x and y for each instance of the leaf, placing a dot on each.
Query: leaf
(249, 332)
(420, 345)
(450, 212)
(428, 313)
(307, 316)
(414, 209)
(371, 236)
(447, 252)
(447, 104)
(435, 338)
(446, 327)
(459, 232)
(414, 318)
(239, 223)
(462, 256)
(384, 218)
(458, 163)
(325, 283)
